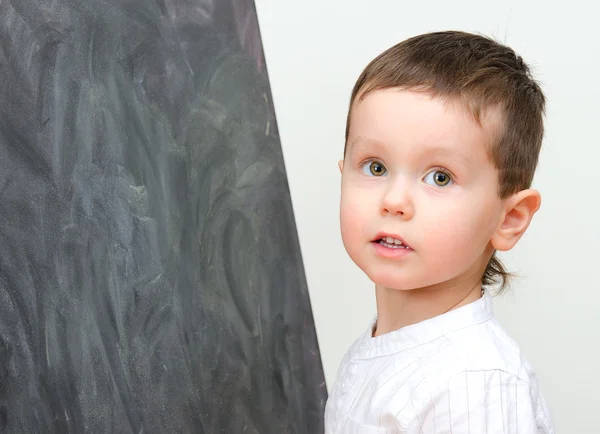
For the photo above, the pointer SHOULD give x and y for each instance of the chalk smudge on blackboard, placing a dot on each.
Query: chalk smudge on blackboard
(150, 272)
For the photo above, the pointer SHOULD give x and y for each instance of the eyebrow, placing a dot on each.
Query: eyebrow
(444, 151)
(426, 150)
(363, 142)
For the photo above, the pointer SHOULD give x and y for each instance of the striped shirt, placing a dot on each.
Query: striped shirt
(457, 373)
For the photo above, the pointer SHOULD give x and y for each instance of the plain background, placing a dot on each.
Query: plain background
(316, 49)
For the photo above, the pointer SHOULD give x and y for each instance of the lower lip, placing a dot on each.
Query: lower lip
(390, 252)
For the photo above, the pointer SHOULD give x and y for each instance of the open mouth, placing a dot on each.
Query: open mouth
(391, 243)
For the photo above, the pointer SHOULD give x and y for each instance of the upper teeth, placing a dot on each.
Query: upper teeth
(391, 240)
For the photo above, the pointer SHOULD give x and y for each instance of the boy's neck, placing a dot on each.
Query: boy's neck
(401, 308)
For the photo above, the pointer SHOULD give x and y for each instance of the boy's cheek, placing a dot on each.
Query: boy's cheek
(357, 202)
(351, 221)
(354, 221)
(452, 237)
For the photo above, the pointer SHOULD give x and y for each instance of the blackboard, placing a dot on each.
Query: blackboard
(151, 279)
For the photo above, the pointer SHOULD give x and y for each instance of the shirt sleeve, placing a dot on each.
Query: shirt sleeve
(477, 402)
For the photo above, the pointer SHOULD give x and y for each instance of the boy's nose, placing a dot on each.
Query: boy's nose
(397, 201)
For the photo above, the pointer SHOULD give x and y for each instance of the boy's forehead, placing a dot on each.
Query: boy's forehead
(413, 121)
(485, 114)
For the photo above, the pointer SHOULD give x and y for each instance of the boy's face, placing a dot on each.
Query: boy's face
(416, 170)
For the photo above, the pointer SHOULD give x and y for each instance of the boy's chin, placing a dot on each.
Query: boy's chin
(403, 281)
(398, 283)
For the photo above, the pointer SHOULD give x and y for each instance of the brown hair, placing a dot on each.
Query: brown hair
(479, 72)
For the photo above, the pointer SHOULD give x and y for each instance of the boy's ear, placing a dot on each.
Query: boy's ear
(341, 165)
(516, 217)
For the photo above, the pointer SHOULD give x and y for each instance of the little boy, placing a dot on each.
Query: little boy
(442, 141)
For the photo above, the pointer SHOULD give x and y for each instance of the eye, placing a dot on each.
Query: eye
(438, 178)
(374, 168)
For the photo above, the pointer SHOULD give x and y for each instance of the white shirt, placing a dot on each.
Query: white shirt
(457, 373)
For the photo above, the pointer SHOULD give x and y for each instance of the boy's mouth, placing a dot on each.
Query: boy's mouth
(391, 242)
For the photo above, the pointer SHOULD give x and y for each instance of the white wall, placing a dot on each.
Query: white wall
(315, 50)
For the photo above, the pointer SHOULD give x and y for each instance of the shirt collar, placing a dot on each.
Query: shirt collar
(426, 331)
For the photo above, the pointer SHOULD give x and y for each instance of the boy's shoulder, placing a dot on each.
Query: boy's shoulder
(483, 353)
(478, 347)
(484, 347)
(482, 367)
